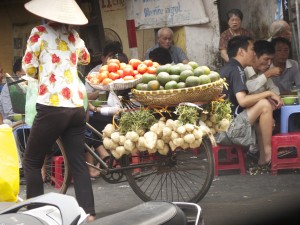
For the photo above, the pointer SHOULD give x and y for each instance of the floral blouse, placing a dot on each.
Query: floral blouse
(52, 54)
(227, 35)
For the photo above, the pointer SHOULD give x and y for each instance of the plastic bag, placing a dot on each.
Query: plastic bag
(9, 166)
(240, 132)
(113, 100)
(31, 97)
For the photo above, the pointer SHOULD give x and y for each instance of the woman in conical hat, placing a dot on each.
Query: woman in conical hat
(52, 54)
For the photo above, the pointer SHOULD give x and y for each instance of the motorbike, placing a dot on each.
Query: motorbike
(59, 209)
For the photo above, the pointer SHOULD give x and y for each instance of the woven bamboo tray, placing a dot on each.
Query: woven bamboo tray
(116, 85)
(201, 93)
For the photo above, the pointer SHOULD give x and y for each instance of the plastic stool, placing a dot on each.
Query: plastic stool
(233, 160)
(135, 158)
(57, 171)
(291, 139)
(285, 113)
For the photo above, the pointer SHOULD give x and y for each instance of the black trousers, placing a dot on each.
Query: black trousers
(49, 124)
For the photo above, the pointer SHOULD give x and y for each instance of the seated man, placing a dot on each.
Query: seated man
(6, 106)
(249, 109)
(165, 40)
(290, 74)
(259, 75)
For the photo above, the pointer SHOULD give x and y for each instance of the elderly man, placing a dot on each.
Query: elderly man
(165, 40)
(290, 74)
(280, 28)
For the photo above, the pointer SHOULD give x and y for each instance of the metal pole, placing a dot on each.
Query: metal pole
(298, 21)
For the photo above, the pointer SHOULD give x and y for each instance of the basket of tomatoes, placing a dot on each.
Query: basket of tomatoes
(116, 75)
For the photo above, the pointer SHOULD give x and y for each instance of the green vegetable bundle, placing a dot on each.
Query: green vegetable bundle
(141, 119)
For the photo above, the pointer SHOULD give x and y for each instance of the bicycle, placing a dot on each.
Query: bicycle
(181, 175)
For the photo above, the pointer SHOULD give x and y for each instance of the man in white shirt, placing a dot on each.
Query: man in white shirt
(259, 74)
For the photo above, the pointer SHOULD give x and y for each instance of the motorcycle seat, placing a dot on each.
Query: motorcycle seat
(148, 213)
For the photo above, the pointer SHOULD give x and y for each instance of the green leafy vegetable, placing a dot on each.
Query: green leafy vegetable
(141, 119)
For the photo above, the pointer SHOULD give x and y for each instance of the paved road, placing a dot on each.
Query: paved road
(232, 199)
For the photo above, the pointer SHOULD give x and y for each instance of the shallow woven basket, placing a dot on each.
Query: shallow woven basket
(201, 93)
(116, 85)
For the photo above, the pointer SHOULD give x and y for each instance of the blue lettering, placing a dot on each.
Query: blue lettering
(173, 9)
(153, 12)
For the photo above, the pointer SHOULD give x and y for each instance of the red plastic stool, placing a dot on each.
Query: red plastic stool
(291, 139)
(136, 160)
(234, 158)
(57, 171)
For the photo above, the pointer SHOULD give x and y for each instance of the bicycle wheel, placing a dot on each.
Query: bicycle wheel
(56, 173)
(182, 175)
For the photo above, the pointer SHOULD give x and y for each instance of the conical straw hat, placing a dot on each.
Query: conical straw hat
(62, 11)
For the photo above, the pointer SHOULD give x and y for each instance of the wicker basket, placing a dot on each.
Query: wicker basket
(201, 93)
(116, 85)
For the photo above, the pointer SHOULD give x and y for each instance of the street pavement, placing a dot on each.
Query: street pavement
(232, 199)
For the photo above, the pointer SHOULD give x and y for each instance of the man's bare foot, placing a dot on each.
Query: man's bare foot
(90, 218)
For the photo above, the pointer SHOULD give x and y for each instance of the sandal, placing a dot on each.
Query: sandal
(260, 169)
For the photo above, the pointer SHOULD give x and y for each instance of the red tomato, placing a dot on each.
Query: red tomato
(112, 67)
(123, 65)
(142, 68)
(113, 75)
(151, 69)
(101, 76)
(106, 81)
(103, 68)
(134, 63)
(135, 72)
(148, 62)
(128, 78)
(113, 61)
(127, 71)
(121, 73)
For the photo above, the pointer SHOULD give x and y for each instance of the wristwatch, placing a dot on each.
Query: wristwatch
(95, 109)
